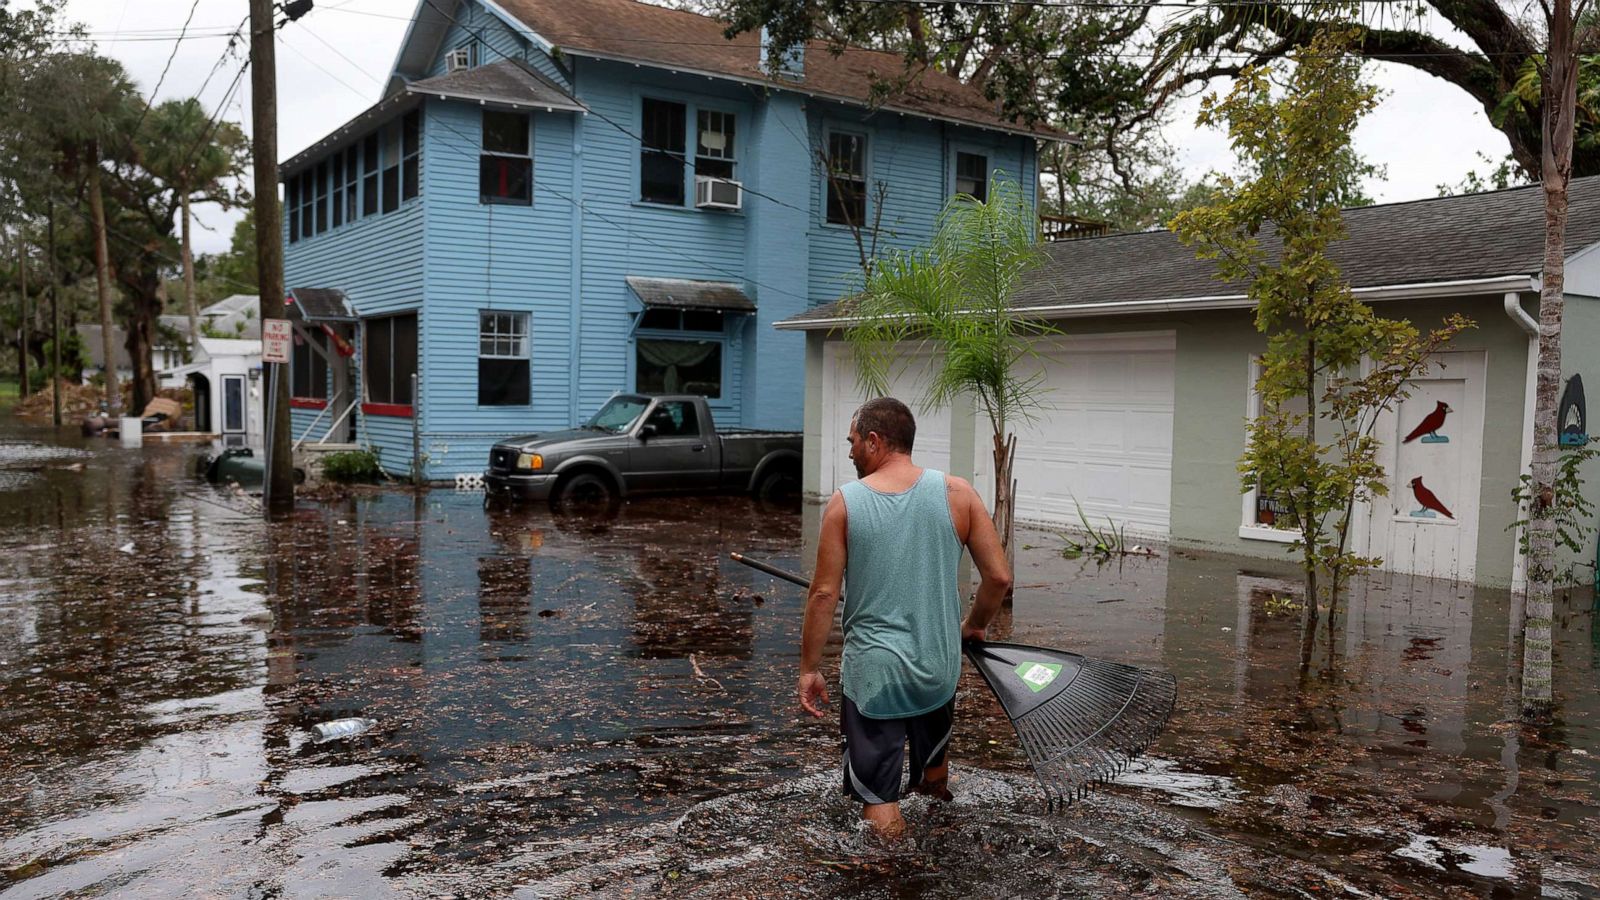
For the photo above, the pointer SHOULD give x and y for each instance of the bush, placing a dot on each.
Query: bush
(351, 466)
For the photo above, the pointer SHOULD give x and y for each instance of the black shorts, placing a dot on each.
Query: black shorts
(874, 749)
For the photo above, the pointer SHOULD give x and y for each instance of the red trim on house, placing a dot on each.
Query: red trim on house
(307, 403)
(403, 410)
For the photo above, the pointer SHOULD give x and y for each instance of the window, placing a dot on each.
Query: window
(306, 205)
(463, 57)
(847, 178)
(505, 167)
(391, 169)
(972, 175)
(502, 359)
(308, 368)
(337, 212)
(673, 366)
(1265, 515)
(675, 418)
(661, 157)
(390, 359)
(291, 203)
(369, 179)
(322, 196)
(663, 318)
(411, 148)
(713, 144)
(352, 184)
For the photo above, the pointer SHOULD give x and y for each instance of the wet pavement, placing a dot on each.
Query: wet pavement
(567, 707)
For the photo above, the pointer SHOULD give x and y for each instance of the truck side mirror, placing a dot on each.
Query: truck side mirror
(647, 431)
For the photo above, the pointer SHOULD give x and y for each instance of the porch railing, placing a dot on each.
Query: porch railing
(1071, 228)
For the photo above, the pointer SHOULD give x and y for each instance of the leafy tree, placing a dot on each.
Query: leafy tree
(1312, 447)
(197, 160)
(954, 296)
(1079, 67)
(1494, 45)
(76, 106)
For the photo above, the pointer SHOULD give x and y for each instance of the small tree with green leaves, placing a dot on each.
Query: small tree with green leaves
(953, 297)
(1332, 366)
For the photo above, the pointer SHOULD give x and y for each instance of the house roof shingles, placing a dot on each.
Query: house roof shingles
(638, 32)
(1447, 239)
(503, 82)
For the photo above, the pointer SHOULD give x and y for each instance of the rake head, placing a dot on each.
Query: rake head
(1081, 721)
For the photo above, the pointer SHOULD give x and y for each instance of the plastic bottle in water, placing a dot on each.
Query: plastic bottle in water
(340, 728)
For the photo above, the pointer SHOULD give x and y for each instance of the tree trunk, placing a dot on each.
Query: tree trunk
(55, 321)
(188, 284)
(1308, 529)
(144, 301)
(1560, 103)
(22, 320)
(102, 278)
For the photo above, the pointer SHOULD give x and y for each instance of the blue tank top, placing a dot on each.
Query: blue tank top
(902, 607)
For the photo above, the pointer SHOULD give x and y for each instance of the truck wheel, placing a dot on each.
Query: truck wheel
(586, 492)
(781, 485)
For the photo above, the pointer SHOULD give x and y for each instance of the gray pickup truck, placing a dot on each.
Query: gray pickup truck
(639, 444)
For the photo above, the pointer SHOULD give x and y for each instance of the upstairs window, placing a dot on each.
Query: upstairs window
(661, 155)
(713, 150)
(390, 359)
(337, 211)
(308, 369)
(503, 359)
(972, 176)
(411, 160)
(291, 203)
(391, 168)
(322, 196)
(369, 180)
(462, 57)
(505, 167)
(352, 184)
(847, 178)
(307, 207)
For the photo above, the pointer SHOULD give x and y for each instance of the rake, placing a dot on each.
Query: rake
(1081, 721)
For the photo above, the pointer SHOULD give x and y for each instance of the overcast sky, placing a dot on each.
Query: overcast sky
(332, 62)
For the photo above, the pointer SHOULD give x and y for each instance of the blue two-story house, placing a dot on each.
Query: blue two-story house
(556, 201)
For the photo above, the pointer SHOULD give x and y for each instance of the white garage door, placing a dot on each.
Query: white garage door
(1104, 436)
(842, 395)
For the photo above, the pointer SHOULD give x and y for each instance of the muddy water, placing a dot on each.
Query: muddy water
(566, 707)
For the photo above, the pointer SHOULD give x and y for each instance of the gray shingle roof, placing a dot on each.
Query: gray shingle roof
(319, 305)
(1473, 236)
(502, 82)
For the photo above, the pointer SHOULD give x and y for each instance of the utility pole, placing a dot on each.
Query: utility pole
(279, 488)
(55, 319)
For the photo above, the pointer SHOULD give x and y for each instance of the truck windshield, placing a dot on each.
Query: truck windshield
(618, 414)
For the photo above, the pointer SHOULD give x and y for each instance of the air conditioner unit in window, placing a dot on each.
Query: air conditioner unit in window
(717, 193)
(458, 59)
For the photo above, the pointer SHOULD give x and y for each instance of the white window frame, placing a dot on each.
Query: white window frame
(724, 155)
(865, 178)
(505, 345)
(1248, 529)
(458, 59)
(955, 170)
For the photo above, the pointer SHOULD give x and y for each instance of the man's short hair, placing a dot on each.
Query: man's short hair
(891, 419)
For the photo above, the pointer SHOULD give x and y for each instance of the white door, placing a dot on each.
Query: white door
(1103, 439)
(842, 395)
(1433, 454)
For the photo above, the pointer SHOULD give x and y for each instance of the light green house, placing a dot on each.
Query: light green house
(1151, 384)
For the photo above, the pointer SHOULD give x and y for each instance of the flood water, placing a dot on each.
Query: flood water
(604, 707)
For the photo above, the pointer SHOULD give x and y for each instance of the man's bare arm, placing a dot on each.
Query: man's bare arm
(983, 542)
(827, 581)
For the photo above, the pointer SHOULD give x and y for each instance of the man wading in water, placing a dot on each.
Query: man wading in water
(897, 533)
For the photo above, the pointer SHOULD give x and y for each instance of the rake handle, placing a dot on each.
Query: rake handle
(969, 645)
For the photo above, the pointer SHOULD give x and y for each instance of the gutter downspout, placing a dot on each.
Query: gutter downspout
(1515, 312)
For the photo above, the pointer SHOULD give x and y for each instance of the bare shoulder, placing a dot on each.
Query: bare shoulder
(956, 486)
(836, 509)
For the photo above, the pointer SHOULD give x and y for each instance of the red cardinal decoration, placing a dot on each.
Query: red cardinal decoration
(1425, 497)
(1431, 423)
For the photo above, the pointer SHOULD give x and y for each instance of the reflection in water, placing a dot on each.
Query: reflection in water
(568, 705)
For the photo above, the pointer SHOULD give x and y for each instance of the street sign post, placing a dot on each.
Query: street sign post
(276, 338)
